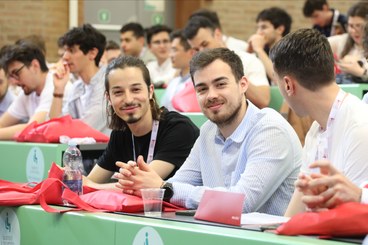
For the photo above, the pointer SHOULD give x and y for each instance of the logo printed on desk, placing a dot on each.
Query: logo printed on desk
(214, 207)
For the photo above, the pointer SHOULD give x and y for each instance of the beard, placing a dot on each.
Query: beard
(227, 118)
(132, 119)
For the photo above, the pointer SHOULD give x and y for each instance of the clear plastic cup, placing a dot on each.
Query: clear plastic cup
(152, 201)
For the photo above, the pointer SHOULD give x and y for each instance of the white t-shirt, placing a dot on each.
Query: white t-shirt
(25, 106)
(254, 69)
(161, 73)
(234, 43)
(347, 145)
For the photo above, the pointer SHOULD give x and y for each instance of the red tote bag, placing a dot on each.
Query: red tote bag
(50, 131)
(349, 219)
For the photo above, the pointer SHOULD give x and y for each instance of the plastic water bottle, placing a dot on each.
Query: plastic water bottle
(73, 170)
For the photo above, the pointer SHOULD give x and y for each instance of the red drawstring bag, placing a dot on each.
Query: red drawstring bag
(50, 192)
(50, 131)
(116, 201)
(47, 191)
(186, 99)
(348, 219)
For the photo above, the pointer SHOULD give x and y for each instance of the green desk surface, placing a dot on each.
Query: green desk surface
(28, 162)
(31, 225)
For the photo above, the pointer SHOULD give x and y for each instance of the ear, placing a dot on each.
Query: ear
(92, 53)
(243, 84)
(141, 40)
(280, 30)
(217, 34)
(35, 63)
(290, 85)
(107, 96)
(150, 91)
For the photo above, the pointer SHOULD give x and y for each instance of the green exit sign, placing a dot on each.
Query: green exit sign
(104, 16)
(157, 19)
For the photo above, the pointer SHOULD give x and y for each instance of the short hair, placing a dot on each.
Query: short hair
(307, 56)
(136, 28)
(114, 121)
(153, 30)
(25, 53)
(206, 57)
(312, 5)
(277, 17)
(36, 40)
(194, 24)
(211, 15)
(112, 45)
(88, 38)
(183, 40)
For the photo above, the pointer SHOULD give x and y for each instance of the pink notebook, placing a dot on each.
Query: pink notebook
(221, 207)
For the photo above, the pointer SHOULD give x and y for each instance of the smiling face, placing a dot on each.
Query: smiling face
(160, 45)
(219, 95)
(129, 95)
(355, 28)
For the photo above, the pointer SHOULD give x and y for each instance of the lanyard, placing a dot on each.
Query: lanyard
(152, 144)
(325, 136)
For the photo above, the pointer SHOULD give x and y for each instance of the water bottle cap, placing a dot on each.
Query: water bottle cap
(72, 142)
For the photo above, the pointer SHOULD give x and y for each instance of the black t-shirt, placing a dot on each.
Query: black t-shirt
(175, 138)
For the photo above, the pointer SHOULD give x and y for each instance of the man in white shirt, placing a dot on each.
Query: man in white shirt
(202, 34)
(161, 70)
(25, 65)
(181, 54)
(84, 47)
(132, 42)
(304, 70)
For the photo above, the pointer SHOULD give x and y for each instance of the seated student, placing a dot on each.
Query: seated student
(348, 48)
(202, 34)
(181, 54)
(161, 69)
(328, 21)
(140, 127)
(6, 96)
(25, 65)
(132, 42)
(84, 47)
(231, 43)
(304, 70)
(240, 149)
(272, 25)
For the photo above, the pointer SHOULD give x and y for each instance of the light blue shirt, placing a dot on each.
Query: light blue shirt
(261, 159)
(88, 103)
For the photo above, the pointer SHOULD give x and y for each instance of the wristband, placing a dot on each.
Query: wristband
(56, 95)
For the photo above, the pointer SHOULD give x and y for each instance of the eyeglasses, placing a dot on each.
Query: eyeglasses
(356, 27)
(158, 42)
(15, 74)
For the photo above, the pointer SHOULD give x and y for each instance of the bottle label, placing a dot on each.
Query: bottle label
(75, 186)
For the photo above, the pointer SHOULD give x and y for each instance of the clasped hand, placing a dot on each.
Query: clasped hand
(134, 176)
